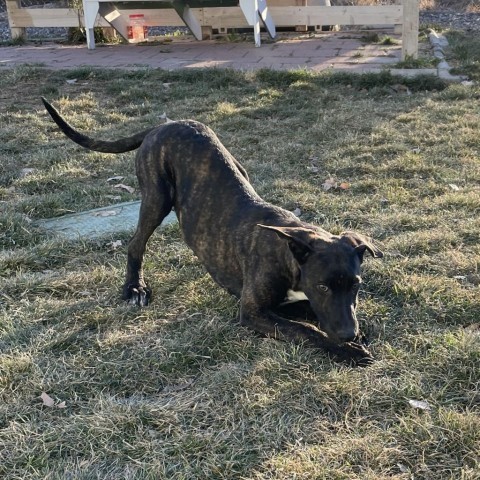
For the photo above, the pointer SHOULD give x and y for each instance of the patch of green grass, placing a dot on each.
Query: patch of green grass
(180, 390)
(387, 40)
(375, 37)
(15, 42)
(420, 62)
(463, 53)
(371, 37)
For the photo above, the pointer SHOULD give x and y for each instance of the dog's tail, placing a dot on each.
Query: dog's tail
(115, 146)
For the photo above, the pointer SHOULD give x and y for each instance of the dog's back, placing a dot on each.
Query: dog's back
(217, 207)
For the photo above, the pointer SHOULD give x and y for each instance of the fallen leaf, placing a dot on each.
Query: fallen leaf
(167, 85)
(72, 81)
(454, 187)
(124, 187)
(105, 213)
(416, 150)
(313, 169)
(115, 244)
(164, 119)
(62, 405)
(117, 178)
(403, 468)
(420, 404)
(24, 172)
(178, 387)
(48, 401)
(329, 183)
(344, 186)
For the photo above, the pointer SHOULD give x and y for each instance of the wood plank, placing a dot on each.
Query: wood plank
(289, 16)
(12, 7)
(228, 17)
(49, 17)
(385, 14)
(188, 17)
(231, 17)
(410, 29)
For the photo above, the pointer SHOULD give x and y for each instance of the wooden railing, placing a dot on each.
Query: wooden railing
(403, 15)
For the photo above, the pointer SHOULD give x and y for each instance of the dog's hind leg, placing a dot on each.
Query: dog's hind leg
(156, 204)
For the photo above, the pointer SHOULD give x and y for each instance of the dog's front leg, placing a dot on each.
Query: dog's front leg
(302, 312)
(264, 321)
(156, 204)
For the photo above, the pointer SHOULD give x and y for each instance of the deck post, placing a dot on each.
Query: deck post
(15, 32)
(410, 29)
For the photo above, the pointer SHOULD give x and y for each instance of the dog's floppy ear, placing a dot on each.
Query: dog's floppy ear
(362, 243)
(298, 240)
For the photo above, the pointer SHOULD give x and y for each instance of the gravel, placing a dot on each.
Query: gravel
(456, 20)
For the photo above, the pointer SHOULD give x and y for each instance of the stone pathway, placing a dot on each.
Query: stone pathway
(329, 51)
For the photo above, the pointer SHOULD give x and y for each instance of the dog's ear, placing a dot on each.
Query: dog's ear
(299, 240)
(361, 244)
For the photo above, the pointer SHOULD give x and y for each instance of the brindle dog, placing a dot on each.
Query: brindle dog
(262, 254)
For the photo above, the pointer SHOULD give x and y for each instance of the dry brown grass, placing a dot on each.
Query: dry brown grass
(179, 390)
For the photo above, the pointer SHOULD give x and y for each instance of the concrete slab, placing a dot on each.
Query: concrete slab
(98, 222)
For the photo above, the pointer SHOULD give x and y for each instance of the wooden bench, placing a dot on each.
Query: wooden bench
(255, 12)
(403, 15)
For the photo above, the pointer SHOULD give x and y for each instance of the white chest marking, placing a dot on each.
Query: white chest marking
(293, 296)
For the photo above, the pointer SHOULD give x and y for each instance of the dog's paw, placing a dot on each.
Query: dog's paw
(137, 296)
(355, 354)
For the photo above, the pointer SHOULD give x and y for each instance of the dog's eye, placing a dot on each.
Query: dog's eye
(323, 287)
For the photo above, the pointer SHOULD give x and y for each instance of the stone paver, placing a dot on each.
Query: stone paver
(321, 52)
(326, 51)
(98, 222)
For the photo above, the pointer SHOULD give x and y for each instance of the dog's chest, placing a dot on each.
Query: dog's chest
(294, 296)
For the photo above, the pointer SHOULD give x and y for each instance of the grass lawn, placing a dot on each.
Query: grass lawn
(464, 52)
(179, 390)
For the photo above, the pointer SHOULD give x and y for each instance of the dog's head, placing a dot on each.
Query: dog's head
(329, 275)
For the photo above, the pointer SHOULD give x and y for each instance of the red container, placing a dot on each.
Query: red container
(137, 30)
